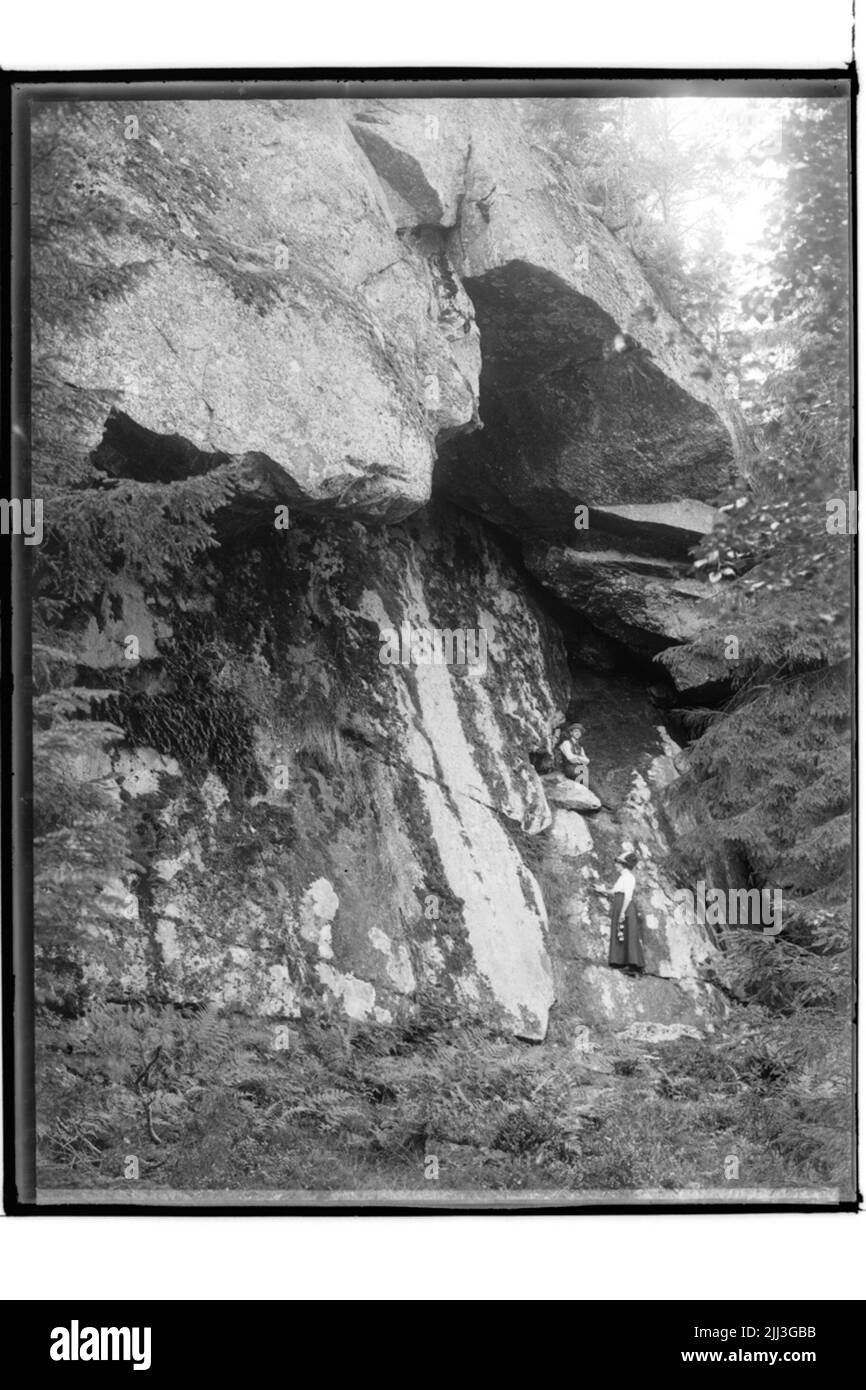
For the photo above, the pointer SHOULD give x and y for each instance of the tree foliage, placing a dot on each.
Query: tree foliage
(771, 772)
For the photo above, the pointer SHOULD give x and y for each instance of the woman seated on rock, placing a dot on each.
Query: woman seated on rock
(626, 947)
(573, 762)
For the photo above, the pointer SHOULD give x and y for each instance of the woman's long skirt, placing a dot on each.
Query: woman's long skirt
(628, 951)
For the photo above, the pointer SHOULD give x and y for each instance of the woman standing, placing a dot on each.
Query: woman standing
(626, 947)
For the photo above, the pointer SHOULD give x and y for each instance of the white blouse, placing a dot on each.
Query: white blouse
(625, 885)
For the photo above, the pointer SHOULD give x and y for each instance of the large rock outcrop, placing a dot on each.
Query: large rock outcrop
(231, 277)
(567, 419)
(285, 283)
(337, 304)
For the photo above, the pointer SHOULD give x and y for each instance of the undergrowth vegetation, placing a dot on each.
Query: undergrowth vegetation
(136, 1095)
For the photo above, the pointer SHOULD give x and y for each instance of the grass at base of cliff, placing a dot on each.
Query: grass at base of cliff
(151, 1097)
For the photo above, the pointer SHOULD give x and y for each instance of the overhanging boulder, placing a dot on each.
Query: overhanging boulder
(645, 604)
(567, 419)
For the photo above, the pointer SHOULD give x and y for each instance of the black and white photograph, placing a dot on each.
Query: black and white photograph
(433, 514)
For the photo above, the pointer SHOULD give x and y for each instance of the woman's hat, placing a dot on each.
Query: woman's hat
(628, 858)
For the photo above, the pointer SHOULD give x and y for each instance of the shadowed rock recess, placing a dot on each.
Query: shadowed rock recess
(335, 306)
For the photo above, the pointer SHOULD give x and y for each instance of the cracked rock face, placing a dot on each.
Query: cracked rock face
(419, 164)
(330, 298)
(369, 852)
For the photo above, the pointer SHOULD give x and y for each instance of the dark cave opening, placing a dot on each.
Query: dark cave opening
(564, 423)
(567, 419)
(128, 450)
